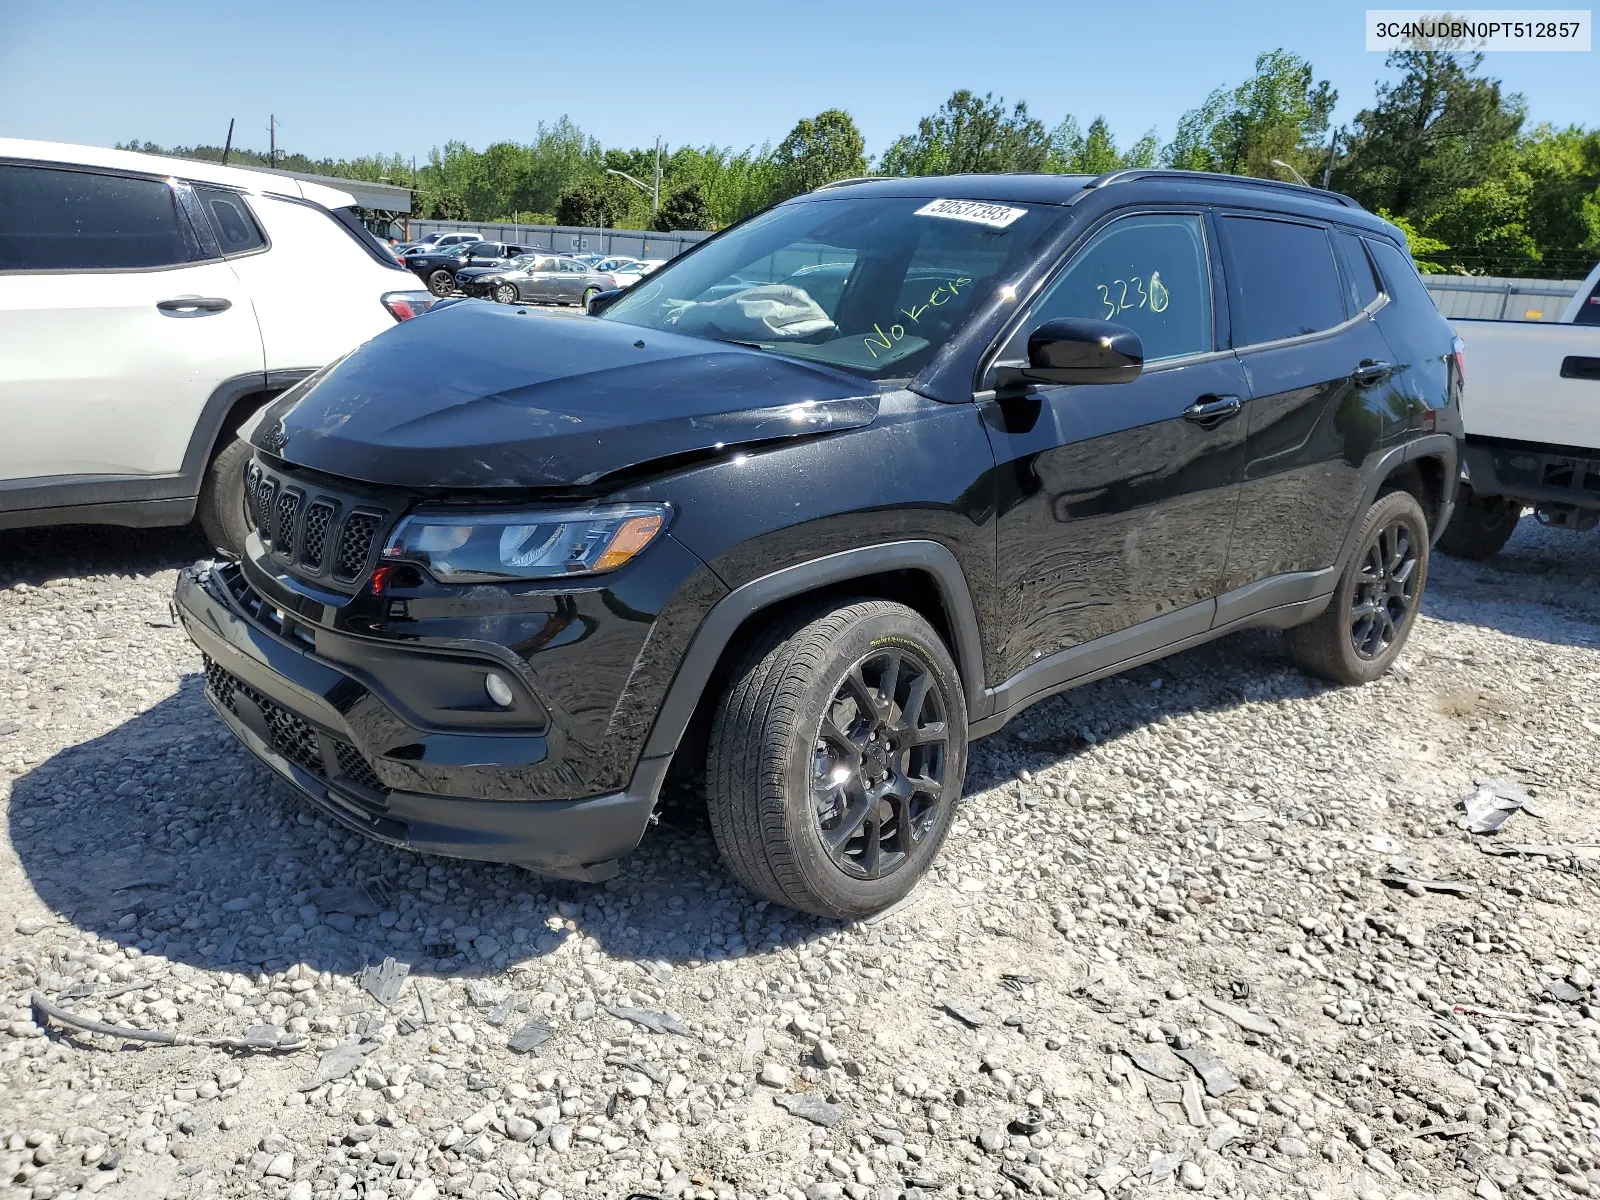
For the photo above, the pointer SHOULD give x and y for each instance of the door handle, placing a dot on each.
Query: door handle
(1371, 371)
(193, 304)
(1211, 411)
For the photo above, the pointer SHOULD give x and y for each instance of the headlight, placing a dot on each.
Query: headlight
(470, 547)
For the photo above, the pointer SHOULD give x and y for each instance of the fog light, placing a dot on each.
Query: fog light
(499, 690)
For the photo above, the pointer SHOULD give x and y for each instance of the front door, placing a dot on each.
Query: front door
(1322, 392)
(1116, 502)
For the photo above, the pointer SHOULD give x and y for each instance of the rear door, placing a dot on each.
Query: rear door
(1322, 393)
(1117, 500)
(118, 319)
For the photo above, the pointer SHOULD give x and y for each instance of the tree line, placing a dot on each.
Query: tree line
(1442, 150)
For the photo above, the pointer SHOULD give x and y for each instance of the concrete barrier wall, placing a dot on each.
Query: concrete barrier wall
(569, 239)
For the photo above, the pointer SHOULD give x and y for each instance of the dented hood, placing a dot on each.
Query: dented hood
(484, 395)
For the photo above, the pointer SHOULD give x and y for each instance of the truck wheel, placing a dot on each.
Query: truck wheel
(220, 510)
(1361, 632)
(1480, 526)
(837, 756)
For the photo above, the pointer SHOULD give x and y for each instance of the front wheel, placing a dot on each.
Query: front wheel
(1480, 526)
(837, 756)
(220, 510)
(441, 283)
(588, 295)
(505, 293)
(1366, 624)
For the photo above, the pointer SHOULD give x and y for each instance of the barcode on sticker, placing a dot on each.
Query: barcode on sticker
(997, 215)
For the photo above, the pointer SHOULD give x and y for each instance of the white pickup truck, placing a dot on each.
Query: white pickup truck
(1531, 408)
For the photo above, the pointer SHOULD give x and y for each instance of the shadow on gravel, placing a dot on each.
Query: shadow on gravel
(166, 835)
(35, 555)
(1545, 585)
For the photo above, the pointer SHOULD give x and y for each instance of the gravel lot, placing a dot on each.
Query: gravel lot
(1158, 954)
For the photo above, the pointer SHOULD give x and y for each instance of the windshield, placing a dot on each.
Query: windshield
(871, 285)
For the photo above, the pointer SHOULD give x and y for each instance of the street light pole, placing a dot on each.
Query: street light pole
(1298, 178)
(654, 194)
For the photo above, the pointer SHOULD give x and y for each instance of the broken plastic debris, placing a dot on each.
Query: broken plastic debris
(531, 1036)
(968, 1016)
(1153, 1063)
(1537, 850)
(1455, 887)
(1380, 843)
(810, 1108)
(1492, 805)
(1242, 1017)
(337, 1063)
(1213, 1072)
(1501, 1014)
(383, 982)
(653, 1021)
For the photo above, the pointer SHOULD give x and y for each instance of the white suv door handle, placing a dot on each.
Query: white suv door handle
(189, 305)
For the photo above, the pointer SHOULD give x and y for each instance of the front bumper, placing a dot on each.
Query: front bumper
(313, 724)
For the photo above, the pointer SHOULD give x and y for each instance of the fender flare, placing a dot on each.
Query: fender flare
(717, 630)
(1443, 446)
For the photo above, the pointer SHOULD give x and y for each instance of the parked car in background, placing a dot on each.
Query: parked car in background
(630, 274)
(547, 279)
(1051, 428)
(440, 240)
(617, 262)
(437, 268)
(588, 260)
(467, 279)
(149, 306)
(1532, 418)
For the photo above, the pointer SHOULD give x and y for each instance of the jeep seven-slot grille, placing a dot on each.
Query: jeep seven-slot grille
(318, 532)
(292, 737)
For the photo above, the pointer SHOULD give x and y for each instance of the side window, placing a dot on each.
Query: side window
(1149, 273)
(1589, 310)
(1400, 278)
(1361, 284)
(230, 217)
(1281, 279)
(573, 268)
(63, 220)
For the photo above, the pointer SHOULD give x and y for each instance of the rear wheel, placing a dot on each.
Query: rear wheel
(220, 510)
(1480, 525)
(1366, 624)
(588, 295)
(441, 283)
(837, 756)
(505, 293)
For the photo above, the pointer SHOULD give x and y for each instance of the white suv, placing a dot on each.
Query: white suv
(148, 307)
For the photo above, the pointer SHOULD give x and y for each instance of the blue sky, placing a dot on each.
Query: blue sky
(348, 76)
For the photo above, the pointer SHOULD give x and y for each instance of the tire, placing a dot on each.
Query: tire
(799, 728)
(1480, 526)
(1366, 624)
(506, 293)
(220, 510)
(589, 294)
(441, 282)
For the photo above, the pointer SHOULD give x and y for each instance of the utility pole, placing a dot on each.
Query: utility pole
(272, 140)
(655, 196)
(227, 145)
(1327, 171)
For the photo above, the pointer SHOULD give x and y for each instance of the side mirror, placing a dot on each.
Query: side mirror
(1077, 350)
(601, 301)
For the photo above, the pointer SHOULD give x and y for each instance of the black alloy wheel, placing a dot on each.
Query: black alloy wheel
(878, 773)
(441, 282)
(1386, 591)
(505, 293)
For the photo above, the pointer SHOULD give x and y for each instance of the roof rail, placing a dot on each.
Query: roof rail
(833, 183)
(1128, 174)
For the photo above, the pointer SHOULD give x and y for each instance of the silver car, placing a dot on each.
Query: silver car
(547, 280)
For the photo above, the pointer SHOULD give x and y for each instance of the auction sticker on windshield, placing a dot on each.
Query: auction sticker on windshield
(996, 215)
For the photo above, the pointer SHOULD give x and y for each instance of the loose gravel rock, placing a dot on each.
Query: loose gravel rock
(1146, 882)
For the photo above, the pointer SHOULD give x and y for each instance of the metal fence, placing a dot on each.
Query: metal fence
(1494, 299)
(570, 239)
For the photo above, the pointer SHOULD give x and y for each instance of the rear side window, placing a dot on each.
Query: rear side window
(1361, 284)
(1282, 282)
(230, 216)
(58, 220)
(1150, 273)
(1400, 277)
(1589, 310)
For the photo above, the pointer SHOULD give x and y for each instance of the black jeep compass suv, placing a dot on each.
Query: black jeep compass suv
(814, 504)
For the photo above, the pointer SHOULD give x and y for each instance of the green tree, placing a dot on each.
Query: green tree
(685, 208)
(819, 150)
(1424, 249)
(1280, 112)
(1436, 129)
(599, 202)
(970, 133)
(1075, 153)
